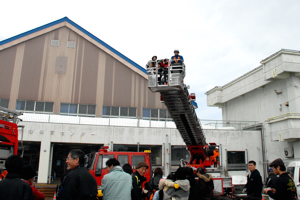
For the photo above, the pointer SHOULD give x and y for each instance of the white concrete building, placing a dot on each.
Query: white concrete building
(236, 146)
(269, 94)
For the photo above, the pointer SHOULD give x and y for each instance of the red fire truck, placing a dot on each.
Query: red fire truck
(97, 165)
(8, 136)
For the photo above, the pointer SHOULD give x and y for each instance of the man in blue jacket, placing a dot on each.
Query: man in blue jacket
(117, 184)
(177, 58)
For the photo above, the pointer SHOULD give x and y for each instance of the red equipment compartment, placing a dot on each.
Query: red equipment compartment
(9, 134)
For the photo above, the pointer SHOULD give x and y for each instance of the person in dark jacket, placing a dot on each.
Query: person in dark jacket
(137, 181)
(157, 175)
(254, 182)
(12, 187)
(206, 184)
(28, 174)
(154, 181)
(271, 180)
(78, 184)
(194, 185)
(285, 187)
(127, 168)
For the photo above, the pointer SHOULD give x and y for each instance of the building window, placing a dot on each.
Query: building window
(236, 160)
(136, 159)
(156, 114)
(179, 152)
(156, 151)
(34, 106)
(78, 109)
(116, 111)
(4, 103)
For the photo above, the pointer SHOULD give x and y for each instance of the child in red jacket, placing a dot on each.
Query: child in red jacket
(28, 175)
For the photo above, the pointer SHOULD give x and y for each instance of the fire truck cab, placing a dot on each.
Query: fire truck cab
(97, 164)
(8, 136)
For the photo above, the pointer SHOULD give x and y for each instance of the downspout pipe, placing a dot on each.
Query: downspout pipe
(265, 166)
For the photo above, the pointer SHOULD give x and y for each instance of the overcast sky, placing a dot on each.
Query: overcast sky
(219, 40)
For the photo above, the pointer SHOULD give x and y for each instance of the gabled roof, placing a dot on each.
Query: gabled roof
(66, 19)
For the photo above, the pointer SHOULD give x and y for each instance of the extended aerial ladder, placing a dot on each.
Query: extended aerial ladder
(176, 97)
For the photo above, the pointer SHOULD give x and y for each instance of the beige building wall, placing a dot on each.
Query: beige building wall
(36, 70)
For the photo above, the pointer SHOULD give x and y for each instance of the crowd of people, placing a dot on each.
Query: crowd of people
(122, 183)
(278, 188)
(18, 183)
(163, 65)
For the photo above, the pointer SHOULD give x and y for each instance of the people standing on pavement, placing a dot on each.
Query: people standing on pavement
(78, 184)
(194, 186)
(137, 181)
(285, 187)
(157, 175)
(272, 179)
(117, 184)
(12, 187)
(164, 184)
(153, 183)
(127, 168)
(28, 174)
(205, 184)
(254, 182)
(180, 188)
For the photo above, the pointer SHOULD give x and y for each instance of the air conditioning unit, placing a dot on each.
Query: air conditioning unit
(288, 152)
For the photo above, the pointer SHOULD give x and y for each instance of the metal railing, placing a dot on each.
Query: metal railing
(131, 122)
(228, 124)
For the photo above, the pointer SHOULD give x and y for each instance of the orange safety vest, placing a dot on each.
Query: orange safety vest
(176, 60)
(216, 154)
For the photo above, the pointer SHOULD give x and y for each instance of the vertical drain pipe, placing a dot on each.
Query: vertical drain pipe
(262, 134)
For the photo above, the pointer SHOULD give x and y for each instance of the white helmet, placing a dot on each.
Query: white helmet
(176, 50)
(217, 147)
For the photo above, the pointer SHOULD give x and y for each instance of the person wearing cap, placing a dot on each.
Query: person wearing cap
(28, 174)
(137, 181)
(254, 182)
(177, 58)
(117, 184)
(285, 187)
